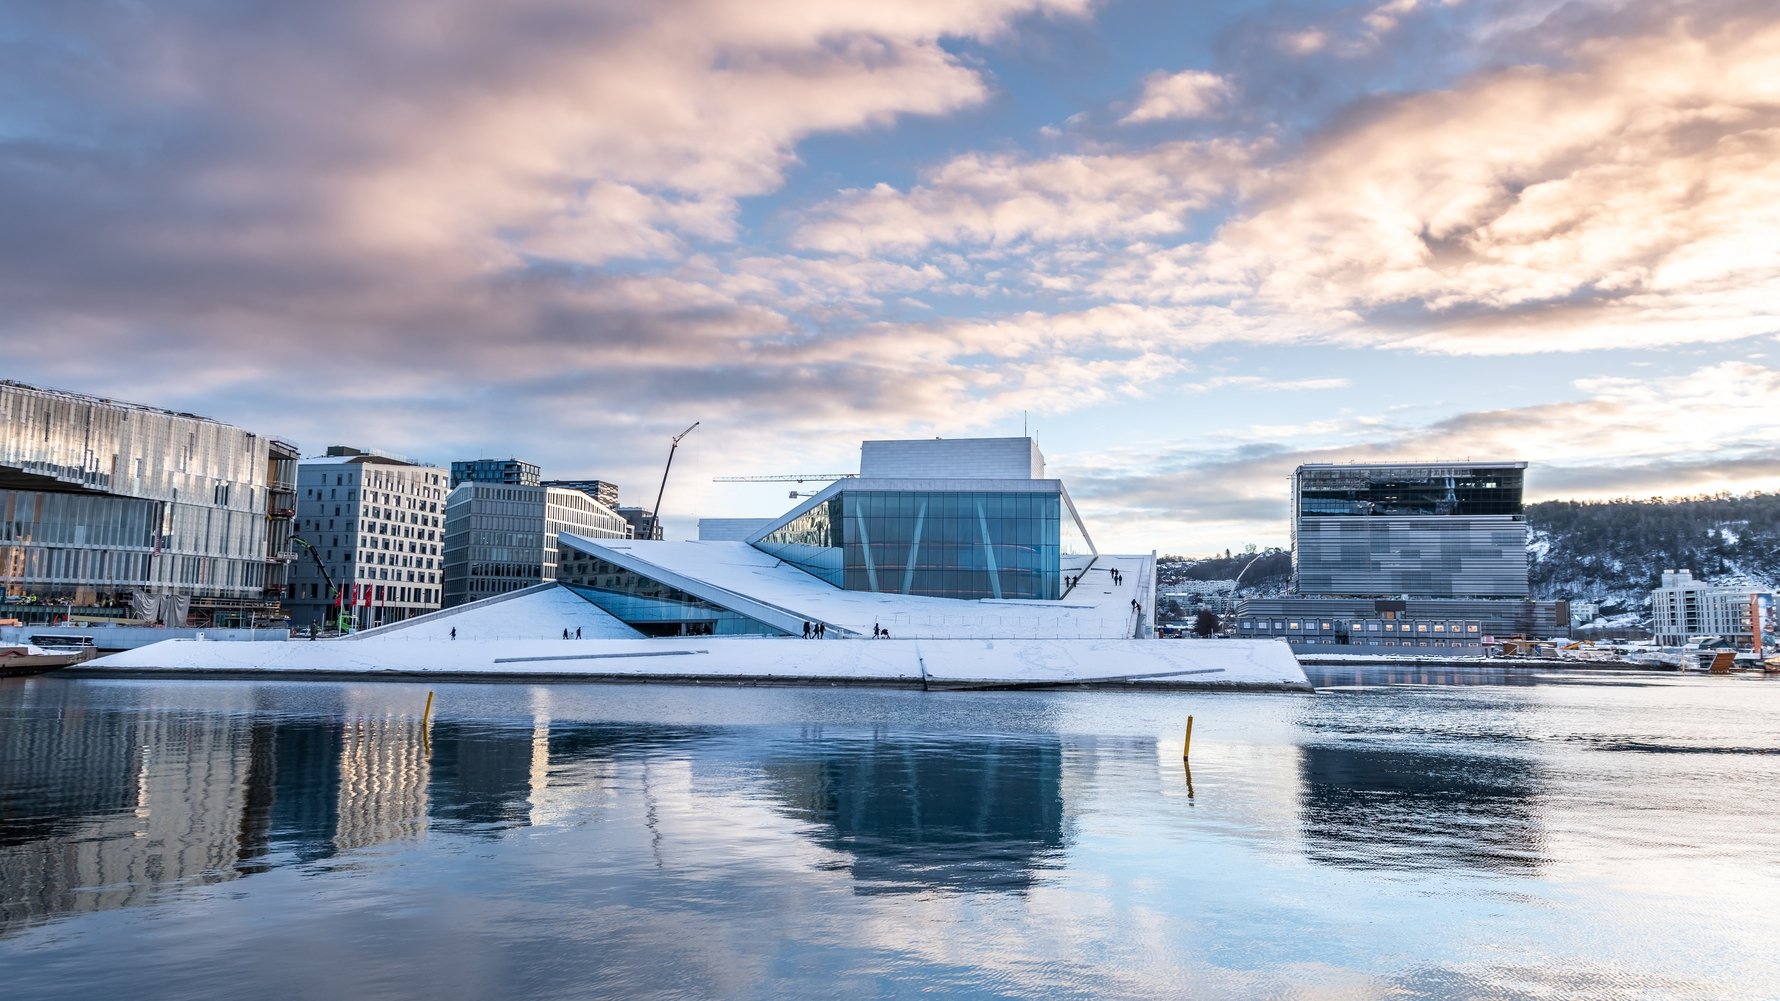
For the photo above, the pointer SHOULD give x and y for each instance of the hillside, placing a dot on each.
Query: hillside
(1611, 552)
(1615, 551)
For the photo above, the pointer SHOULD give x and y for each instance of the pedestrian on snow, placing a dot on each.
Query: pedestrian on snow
(577, 632)
(875, 631)
(806, 629)
(565, 632)
(454, 632)
(821, 630)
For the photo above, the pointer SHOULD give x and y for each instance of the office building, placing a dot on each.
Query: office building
(514, 472)
(103, 502)
(501, 537)
(377, 523)
(642, 522)
(1399, 554)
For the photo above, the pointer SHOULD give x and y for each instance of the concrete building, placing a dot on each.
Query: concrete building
(642, 522)
(1401, 554)
(102, 502)
(1684, 607)
(501, 537)
(604, 491)
(516, 472)
(377, 522)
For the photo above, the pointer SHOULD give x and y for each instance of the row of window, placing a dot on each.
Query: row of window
(1362, 626)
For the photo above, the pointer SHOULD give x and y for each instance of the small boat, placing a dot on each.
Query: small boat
(19, 659)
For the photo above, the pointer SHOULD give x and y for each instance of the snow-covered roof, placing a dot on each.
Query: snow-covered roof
(541, 611)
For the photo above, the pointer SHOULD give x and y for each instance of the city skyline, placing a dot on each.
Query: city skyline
(1189, 249)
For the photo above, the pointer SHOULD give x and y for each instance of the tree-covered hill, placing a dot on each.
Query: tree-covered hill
(1615, 551)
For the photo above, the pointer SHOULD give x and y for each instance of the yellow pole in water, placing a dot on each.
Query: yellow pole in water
(428, 714)
(1187, 746)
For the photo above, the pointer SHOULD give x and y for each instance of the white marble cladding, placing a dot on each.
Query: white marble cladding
(952, 458)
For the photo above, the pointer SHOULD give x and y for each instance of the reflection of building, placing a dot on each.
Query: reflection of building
(99, 498)
(1375, 808)
(1684, 607)
(502, 537)
(377, 522)
(383, 782)
(920, 814)
(1406, 554)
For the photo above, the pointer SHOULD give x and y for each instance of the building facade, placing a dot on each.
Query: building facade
(516, 472)
(377, 523)
(101, 499)
(1439, 530)
(501, 537)
(604, 491)
(1397, 554)
(1684, 607)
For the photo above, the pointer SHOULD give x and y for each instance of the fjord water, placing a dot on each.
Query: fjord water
(1402, 834)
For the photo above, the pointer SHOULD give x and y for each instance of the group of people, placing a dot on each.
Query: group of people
(814, 630)
(1117, 579)
(878, 632)
(565, 633)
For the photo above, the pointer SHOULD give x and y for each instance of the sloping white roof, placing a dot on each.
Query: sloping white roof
(1095, 609)
(541, 611)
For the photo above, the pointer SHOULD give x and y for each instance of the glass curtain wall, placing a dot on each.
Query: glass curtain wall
(950, 544)
(650, 606)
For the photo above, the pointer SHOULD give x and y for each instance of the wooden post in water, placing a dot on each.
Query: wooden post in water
(1186, 747)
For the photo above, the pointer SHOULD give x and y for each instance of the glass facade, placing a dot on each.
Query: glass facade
(1436, 530)
(940, 543)
(99, 498)
(650, 606)
(501, 538)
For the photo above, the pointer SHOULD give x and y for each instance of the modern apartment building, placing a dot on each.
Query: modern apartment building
(102, 501)
(1684, 607)
(501, 537)
(377, 522)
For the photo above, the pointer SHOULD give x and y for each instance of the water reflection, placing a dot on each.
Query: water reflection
(1383, 808)
(917, 814)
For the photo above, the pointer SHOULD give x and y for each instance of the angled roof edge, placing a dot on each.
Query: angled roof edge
(777, 616)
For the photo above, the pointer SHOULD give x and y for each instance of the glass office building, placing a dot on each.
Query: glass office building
(99, 498)
(993, 539)
(501, 537)
(1433, 530)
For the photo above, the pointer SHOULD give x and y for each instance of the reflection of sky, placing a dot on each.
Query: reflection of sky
(648, 842)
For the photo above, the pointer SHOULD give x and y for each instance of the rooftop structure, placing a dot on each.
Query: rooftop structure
(604, 491)
(515, 472)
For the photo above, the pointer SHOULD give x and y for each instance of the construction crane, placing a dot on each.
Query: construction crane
(783, 478)
(345, 623)
(655, 515)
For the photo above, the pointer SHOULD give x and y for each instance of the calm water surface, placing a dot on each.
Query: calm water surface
(1438, 834)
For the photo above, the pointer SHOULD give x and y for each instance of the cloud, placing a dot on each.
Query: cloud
(1714, 428)
(1188, 94)
(1002, 199)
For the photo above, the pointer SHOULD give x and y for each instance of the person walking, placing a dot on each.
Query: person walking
(454, 632)
(577, 632)
(806, 629)
(565, 632)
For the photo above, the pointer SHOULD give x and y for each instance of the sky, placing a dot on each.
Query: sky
(1188, 245)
